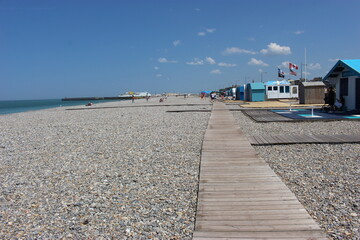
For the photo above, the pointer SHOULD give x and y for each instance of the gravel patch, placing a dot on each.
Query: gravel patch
(124, 173)
(324, 177)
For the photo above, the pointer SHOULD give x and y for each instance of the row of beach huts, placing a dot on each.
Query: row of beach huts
(307, 92)
(344, 78)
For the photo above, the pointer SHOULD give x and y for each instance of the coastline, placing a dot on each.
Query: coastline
(18, 106)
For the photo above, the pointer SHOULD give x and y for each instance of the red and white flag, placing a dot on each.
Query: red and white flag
(292, 68)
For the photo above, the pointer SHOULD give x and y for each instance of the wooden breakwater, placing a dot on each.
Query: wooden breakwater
(95, 98)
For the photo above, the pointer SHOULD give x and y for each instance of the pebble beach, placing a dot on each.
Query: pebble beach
(127, 170)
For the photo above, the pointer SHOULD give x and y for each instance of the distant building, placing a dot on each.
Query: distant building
(240, 93)
(281, 89)
(311, 92)
(345, 77)
(255, 92)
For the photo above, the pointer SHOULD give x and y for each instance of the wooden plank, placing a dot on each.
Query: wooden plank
(245, 196)
(245, 171)
(262, 238)
(313, 138)
(301, 139)
(249, 217)
(292, 138)
(328, 139)
(208, 208)
(339, 138)
(258, 140)
(251, 203)
(257, 222)
(264, 141)
(282, 139)
(270, 139)
(252, 140)
(258, 228)
(259, 234)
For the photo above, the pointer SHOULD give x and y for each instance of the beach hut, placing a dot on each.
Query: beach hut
(311, 92)
(281, 89)
(240, 93)
(345, 77)
(255, 92)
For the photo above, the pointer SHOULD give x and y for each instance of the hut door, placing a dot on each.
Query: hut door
(357, 93)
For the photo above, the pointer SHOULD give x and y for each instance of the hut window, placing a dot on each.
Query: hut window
(294, 90)
(287, 89)
(344, 86)
(270, 88)
(275, 88)
(281, 89)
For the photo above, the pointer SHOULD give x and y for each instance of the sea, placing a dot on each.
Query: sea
(16, 106)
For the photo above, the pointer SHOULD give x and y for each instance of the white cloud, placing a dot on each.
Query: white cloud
(176, 43)
(333, 59)
(256, 62)
(208, 30)
(234, 50)
(276, 49)
(251, 39)
(156, 68)
(313, 66)
(196, 61)
(159, 75)
(227, 64)
(164, 60)
(298, 32)
(210, 60)
(216, 71)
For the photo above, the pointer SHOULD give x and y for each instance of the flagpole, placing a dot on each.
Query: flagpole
(305, 65)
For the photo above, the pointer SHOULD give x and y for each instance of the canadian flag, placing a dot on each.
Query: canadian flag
(292, 68)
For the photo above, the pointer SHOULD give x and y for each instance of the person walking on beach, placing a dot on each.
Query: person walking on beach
(132, 98)
(331, 99)
(212, 96)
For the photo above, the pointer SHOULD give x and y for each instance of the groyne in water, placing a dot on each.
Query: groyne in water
(94, 98)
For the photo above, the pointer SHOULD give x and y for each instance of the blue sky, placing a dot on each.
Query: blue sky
(75, 48)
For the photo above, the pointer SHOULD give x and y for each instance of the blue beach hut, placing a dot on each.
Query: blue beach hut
(240, 93)
(345, 76)
(255, 92)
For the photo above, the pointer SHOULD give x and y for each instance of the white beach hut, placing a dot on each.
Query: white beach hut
(345, 76)
(281, 89)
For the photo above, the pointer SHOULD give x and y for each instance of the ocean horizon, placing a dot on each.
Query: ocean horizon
(17, 106)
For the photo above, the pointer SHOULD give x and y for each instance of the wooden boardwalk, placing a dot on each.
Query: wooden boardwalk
(240, 197)
(302, 139)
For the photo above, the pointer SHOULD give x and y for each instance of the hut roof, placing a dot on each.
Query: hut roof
(282, 82)
(257, 86)
(351, 65)
(313, 84)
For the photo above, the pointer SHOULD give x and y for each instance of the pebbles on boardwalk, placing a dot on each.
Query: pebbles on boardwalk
(325, 178)
(101, 173)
